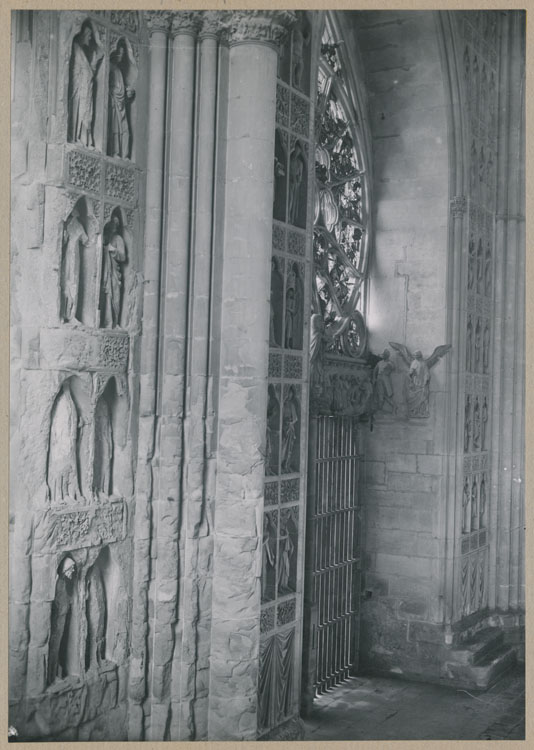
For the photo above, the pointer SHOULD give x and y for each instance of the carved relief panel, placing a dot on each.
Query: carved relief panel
(479, 33)
(287, 387)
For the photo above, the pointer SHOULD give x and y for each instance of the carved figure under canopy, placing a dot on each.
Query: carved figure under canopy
(62, 475)
(120, 95)
(485, 349)
(476, 425)
(290, 418)
(268, 557)
(61, 620)
(74, 238)
(293, 319)
(287, 549)
(474, 504)
(382, 383)
(418, 377)
(296, 173)
(301, 39)
(484, 423)
(466, 497)
(95, 608)
(103, 455)
(467, 423)
(271, 446)
(111, 288)
(85, 59)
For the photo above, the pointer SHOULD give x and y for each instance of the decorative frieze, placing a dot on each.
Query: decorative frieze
(120, 183)
(84, 171)
(256, 26)
(88, 526)
(71, 349)
(286, 612)
(125, 19)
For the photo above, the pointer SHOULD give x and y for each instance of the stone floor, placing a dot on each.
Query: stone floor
(383, 708)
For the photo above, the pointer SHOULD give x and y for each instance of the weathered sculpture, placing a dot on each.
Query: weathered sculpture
(301, 39)
(268, 557)
(474, 504)
(74, 238)
(61, 620)
(467, 423)
(293, 319)
(85, 59)
(476, 425)
(290, 418)
(120, 96)
(478, 346)
(466, 497)
(296, 173)
(418, 377)
(271, 447)
(485, 349)
(95, 609)
(468, 344)
(471, 262)
(111, 287)
(103, 454)
(62, 474)
(482, 504)
(382, 383)
(286, 550)
(484, 423)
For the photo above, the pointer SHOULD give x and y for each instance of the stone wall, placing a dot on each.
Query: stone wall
(403, 473)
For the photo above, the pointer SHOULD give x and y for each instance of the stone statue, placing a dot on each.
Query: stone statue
(418, 378)
(478, 346)
(120, 95)
(471, 262)
(468, 344)
(268, 554)
(290, 418)
(286, 548)
(382, 383)
(296, 173)
(485, 349)
(95, 608)
(474, 504)
(487, 272)
(476, 425)
(103, 448)
(74, 238)
(480, 268)
(60, 620)
(277, 293)
(111, 289)
(293, 319)
(273, 414)
(484, 422)
(85, 60)
(482, 510)
(466, 497)
(62, 475)
(467, 423)
(301, 39)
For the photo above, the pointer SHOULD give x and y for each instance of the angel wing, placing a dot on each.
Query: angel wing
(437, 354)
(403, 351)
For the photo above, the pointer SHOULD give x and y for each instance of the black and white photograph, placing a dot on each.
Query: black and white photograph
(267, 304)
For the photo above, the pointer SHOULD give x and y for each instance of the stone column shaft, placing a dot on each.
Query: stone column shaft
(168, 500)
(148, 374)
(196, 576)
(244, 328)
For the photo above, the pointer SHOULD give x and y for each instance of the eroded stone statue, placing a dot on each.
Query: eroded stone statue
(111, 288)
(85, 59)
(103, 448)
(95, 608)
(418, 377)
(290, 418)
(287, 549)
(62, 475)
(74, 238)
(120, 95)
(382, 383)
(60, 620)
(296, 173)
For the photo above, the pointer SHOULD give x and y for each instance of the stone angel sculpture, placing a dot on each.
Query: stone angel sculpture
(418, 377)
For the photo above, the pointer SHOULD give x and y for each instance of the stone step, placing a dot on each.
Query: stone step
(474, 650)
(485, 673)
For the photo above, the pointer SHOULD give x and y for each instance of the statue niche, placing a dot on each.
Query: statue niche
(293, 330)
(75, 239)
(297, 186)
(290, 457)
(280, 175)
(122, 77)
(276, 304)
(287, 552)
(96, 617)
(113, 258)
(103, 450)
(268, 572)
(85, 61)
(63, 643)
(62, 471)
(272, 443)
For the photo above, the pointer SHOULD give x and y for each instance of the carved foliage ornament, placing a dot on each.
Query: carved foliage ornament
(256, 25)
